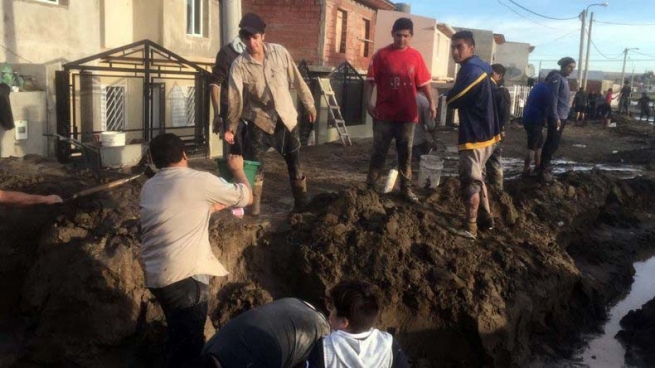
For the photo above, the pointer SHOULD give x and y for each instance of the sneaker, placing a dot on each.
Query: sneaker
(410, 196)
(470, 232)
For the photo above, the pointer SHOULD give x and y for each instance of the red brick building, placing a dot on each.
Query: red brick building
(322, 32)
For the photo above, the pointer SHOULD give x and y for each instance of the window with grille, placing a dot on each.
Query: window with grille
(341, 31)
(112, 108)
(191, 106)
(194, 17)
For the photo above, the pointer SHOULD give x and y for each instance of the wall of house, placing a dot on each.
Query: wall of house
(43, 33)
(294, 24)
(425, 39)
(174, 30)
(485, 45)
(357, 14)
(148, 20)
(514, 57)
(28, 106)
(117, 28)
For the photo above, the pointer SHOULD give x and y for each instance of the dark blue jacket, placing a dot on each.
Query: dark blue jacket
(538, 104)
(561, 97)
(473, 96)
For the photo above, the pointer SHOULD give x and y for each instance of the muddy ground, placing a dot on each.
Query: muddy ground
(519, 296)
(638, 335)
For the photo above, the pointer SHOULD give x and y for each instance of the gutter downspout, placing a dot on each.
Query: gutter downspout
(230, 18)
(321, 34)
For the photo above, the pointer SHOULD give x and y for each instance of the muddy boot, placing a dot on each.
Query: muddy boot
(486, 221)
(299, 189)
(546, 177)
(409, 195)
(254, 209)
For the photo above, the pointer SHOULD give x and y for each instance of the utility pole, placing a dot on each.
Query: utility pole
(625, 58)
(583, 16)
(586, 63)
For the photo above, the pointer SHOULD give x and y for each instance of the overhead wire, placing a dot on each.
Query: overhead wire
(559, 38)
(538, 14)
(625, 24)
(523, 16)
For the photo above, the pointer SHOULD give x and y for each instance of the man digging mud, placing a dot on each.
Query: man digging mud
(259, 94)
(176, 205)
(479, 130)
(398, 71)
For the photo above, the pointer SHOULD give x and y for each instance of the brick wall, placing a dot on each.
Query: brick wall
(295, 24)
(355, 25)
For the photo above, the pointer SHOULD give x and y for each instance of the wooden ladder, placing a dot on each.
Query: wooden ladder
(334, 112)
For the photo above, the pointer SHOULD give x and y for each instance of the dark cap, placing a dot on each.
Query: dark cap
(565, 61)
(252, 24)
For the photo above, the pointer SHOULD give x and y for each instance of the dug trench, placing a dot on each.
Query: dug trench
(73, 289)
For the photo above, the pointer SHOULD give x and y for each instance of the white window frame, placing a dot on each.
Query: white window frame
(191, 27)
(54, 2)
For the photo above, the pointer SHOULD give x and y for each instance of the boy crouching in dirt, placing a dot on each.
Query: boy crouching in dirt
(355, 342)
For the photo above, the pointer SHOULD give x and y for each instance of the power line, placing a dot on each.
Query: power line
(641, 53)
(523, 16)
(537, 14)
(12, 52)
(601, 54)
(625, 24)
(559, 38)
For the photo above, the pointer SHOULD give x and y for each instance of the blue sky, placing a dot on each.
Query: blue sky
(556, 38)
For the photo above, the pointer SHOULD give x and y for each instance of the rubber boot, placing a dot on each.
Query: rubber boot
(299, 190)
(257, 188)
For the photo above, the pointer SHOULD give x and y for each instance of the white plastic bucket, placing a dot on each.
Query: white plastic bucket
(429, 173)
(112, 139)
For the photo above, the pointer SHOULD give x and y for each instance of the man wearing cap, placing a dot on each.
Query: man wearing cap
(259, 93)
(557, 114)
(398, 71)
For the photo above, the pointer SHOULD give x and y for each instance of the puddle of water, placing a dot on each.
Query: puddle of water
(605, 351)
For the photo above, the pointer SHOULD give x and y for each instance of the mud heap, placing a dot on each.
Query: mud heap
(638, 335)
(74, 288)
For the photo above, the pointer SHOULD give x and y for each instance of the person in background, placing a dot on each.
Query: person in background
(479, 130)
(494, 167)
(609, 97)
(398, 71)
(176, 205)
(280, 334)
(534, 120)
(580, 104)
(354, 341)
(424, 140)
(591, 105)
(557, 114)
(644, 106)
(624, 98)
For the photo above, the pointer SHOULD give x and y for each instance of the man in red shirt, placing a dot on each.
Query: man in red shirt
(398, 71)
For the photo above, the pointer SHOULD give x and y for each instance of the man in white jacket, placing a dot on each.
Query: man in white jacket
(355, 342)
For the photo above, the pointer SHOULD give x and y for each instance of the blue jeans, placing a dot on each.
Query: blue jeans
(185, 307)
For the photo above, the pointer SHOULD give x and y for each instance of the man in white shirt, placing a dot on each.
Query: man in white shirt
(176, 205)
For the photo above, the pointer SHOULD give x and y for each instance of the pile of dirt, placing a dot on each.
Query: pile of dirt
(78, 286)
(638, 335)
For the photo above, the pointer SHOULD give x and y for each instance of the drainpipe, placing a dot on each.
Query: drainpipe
(230, 17)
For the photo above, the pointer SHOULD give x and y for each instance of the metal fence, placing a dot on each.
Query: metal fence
(519, 96)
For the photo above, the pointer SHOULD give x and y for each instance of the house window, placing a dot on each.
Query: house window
(367, 38)
(194, 17)
(50, 1)
(341, 31)
(191, 106)
(112, 108)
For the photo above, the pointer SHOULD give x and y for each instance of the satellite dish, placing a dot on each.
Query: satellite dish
(529, 71)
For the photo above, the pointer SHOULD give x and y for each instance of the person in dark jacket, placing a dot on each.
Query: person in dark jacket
(591, 105)
(624, 98)
(280, 334)
(503, 101)
(580, 104)
(534, 119)
(355, 342)
(479, 129)
(557, 114)
(644, 106)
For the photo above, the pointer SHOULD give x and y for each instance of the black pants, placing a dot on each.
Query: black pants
(285, 142)
(383, 133)
(185, 307)
(552, 143)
